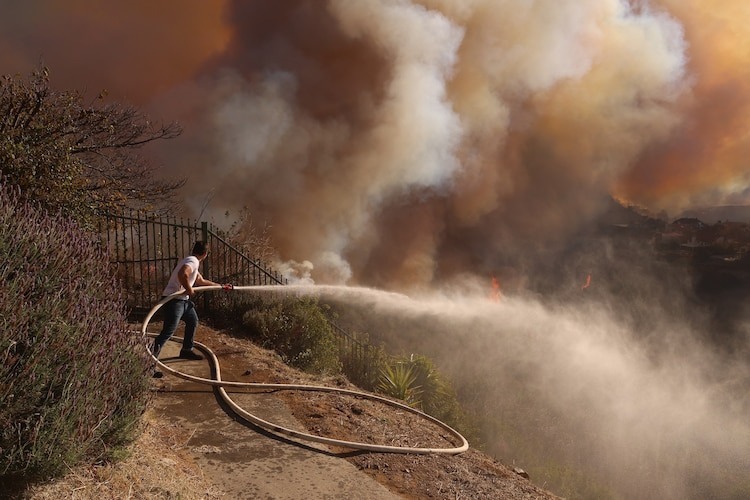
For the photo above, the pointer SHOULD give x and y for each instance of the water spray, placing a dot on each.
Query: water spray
(277, 429)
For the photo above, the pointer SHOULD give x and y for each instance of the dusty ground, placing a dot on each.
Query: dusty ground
(159, 448)
(169, 462)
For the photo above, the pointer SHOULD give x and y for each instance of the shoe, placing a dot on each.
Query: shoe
(190, 355)
(155, 350)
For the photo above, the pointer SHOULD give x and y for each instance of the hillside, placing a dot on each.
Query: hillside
(711, 215)
(468, 475)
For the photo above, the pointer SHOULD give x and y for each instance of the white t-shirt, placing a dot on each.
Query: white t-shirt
(174, 286)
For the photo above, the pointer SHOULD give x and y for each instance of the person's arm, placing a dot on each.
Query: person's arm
(201, 281)
(184, 278)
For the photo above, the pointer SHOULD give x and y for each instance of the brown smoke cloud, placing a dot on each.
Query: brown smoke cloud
(435, 136)
(408, 132)
(135, 50)
(704, 161)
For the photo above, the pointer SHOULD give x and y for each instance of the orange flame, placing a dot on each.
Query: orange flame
(588, 282)
(496, 293)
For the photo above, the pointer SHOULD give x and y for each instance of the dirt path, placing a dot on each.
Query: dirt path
(247, 462)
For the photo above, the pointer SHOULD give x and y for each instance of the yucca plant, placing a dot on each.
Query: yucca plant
(398, 380)
(416, 381)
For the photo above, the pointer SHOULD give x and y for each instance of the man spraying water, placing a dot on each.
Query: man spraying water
(184, 276)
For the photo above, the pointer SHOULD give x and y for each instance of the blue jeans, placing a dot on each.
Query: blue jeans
(174, 311)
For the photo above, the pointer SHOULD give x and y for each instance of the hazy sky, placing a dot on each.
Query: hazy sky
(399, 141)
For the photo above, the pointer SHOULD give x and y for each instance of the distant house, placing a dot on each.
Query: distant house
(690, 223)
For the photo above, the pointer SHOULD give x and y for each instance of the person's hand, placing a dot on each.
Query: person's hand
(227, 286)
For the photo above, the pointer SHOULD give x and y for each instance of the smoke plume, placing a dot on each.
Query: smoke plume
(437, 137)
(414, 140)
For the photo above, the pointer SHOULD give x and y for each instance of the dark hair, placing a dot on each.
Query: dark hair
(199, 248)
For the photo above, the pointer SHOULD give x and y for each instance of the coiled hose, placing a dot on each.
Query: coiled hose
(274, 428)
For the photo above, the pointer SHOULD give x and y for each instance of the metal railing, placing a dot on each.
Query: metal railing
(357, 358)
(145, 249)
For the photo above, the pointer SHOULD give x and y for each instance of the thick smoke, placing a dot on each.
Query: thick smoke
(437, 136)
(133, 50)
(703, 162)
(396, 132)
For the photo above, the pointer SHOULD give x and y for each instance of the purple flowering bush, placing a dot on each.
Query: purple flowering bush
(73, 379)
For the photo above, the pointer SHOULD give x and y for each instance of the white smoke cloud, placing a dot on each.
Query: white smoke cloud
(297, 273)
(415, 131)
(254, 122)
(603, 81)
(333, 268)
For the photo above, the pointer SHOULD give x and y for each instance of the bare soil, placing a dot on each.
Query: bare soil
(160, 448)
(468, 475)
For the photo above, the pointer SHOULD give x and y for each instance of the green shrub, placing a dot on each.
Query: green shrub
(228, 309)
(358, 359)
(438, 396)
(297, 329)
(416, 381)
(72, 378)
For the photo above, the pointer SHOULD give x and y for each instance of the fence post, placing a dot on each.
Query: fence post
(206, 264)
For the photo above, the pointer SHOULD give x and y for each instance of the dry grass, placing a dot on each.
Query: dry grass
(158, 466)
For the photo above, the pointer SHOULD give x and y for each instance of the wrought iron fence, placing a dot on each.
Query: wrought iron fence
(145, 249)
(358, 358)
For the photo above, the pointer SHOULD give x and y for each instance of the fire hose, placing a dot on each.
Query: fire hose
(220, 384)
